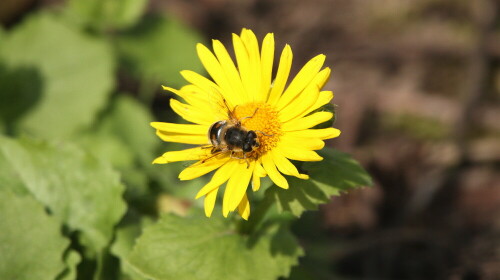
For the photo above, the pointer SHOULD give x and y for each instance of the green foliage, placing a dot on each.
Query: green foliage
(76, 69)
(17, 96)
(128, 120)
(30, 240)
(123, 245)
(157, 49)
(71, 259)
(82, 192)
(105, 15)
(336, 173)
(125, 139)
(195, 247)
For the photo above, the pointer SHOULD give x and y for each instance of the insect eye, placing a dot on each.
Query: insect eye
(247, 148)
(252, 134)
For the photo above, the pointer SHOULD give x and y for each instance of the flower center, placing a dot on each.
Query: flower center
(263, 119)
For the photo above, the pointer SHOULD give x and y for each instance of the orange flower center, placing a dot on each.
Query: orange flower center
(263, 119)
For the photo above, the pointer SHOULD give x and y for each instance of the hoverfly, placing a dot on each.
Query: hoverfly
(230, 136)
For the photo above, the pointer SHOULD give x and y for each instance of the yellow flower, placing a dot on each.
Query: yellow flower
(247, 97)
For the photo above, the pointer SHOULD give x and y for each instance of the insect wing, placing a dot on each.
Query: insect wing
(211, 157)
(222, 104)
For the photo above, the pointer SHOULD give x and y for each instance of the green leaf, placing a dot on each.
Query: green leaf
(77, 72)
(107, 148)
(105, 15)
(129, 121)
(300, 196)
(198, 248)
(125, 138)
(157, 49)
(125, 239)
(337, 172)
(17, 96)
(72, 259)
(124, 242)
(31, 243)
(83, 192)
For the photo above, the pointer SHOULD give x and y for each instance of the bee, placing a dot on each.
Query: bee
(230, 136)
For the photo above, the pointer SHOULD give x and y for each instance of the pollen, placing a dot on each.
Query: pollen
(263, 119)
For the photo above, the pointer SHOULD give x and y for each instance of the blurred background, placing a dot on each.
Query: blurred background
(417, 84)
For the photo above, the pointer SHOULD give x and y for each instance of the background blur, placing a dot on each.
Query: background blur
(417, 84)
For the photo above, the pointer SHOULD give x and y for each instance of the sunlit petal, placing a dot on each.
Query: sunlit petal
(236, 188)
(270, 167)
(244, 208)
(301, 81)
(307, 122)
(209, 202)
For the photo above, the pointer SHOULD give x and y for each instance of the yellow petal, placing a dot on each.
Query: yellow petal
(205, 101)
(160, 160)
(285, 166)
(324, 98)
(281, 76)
(215, 70)
(197, 98)
(301, 81)
(198, 169)
(192, 114)
(193, 95)
(236, 188)
(258, 173)
(324, 133)
(202, 94)
(220, 177)
(307, 122)
(189, 92)
(181, 128)
(250, 41)
(252, 48)
(267, 59)
(259, 170)
(209, 202)
(300, 104)
(299, 154)
(200, 81)
(255, 182)
(270, 167)
(244, 208)
(230, 71)
(176, 91)
(183, 138)
(244, 67)
(322, 77)
(306, 143)
(187, 154)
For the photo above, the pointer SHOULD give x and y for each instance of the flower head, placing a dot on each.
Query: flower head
(247, 125)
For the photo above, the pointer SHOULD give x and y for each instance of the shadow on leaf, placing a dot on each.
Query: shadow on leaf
(21, 90)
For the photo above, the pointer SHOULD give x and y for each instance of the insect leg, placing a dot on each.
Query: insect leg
(262, 132)
(246, 159)
(249, 117)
